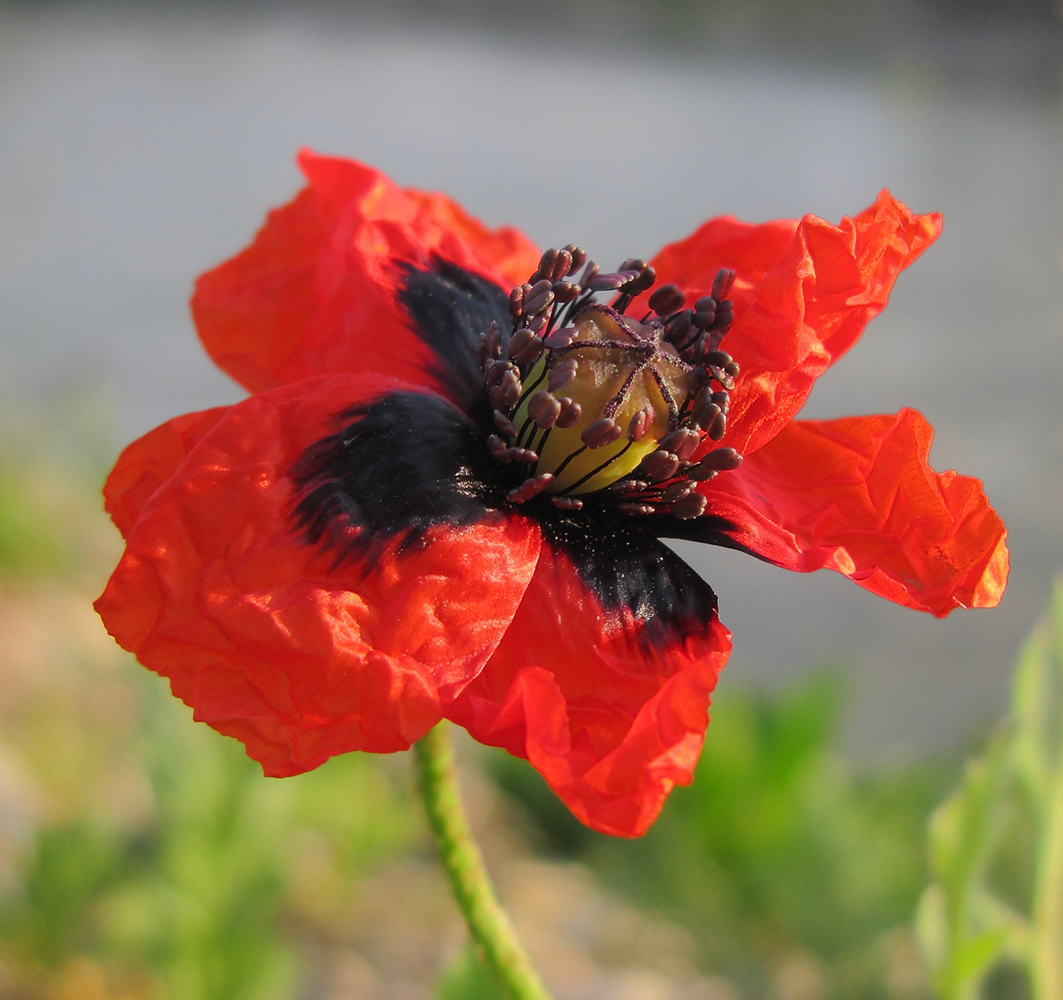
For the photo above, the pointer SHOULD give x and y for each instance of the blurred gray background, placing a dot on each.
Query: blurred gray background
(140, 145)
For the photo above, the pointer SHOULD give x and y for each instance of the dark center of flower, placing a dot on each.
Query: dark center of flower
(590, 402)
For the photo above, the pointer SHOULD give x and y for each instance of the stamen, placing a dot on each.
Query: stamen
(600, 403)
(704, 312)
(490, 343)
(722, 283)
(566, 291)
(661, 465)
(640, 424)
(627, 487)
(539, 297)
(504, 424)
(691, 506)
(720, 359)
(718, 427)
(567, 503)
(516, 301)
(571, 411)
(588, 274)
(524, 346)
(562, 373)
(505, 393)
(723, 459)
(601, 433)
(499, 449)
(705, 411)
(635, 508)
(676, 491)
(681, 442)
(526, 456)
(544, 409)
(667, 300)
(560, 338)
(530, 488)
(505, 454)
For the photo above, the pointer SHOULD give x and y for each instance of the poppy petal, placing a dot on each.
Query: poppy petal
(748, 249)
(608, 702)
(803, 296)
(318, 290)
(150, 461)
(857, 495)
(299, 649)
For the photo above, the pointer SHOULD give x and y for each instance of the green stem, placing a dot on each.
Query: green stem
(461, 858)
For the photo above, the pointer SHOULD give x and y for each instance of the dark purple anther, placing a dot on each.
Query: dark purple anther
(690, 506)
(721, 460)
(607, 282)
(540, 297)
(562, 373)
(566, 503)
(499, 449)
(660, 465)
(718, 427)
(640, 424)
(667, 300)
(516, 301)
(579, 255)
(601, 433)
(544, 409)
(524, 346)
(504, 424)
(705, 412)
(634, 508)
(676, 491)
(571, 411)
(562, 337)
(530, 488)
(722, 283)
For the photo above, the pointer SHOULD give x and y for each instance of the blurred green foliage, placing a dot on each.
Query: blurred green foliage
(26, 545)
(198, 901)
(781, 854)
(991, 922)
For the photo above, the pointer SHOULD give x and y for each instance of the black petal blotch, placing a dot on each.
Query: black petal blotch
(449, 308)
(400, 465)
(629, 568)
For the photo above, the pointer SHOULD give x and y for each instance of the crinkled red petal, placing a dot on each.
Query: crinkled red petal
(857, 495)
(803, 296)
(316, 293)
(297, 653)
(612, 721)
(150, 461)
(748, 249)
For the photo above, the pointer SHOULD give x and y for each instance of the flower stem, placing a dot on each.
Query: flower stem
(461, 858)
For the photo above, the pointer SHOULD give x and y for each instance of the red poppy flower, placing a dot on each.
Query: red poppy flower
(445, 499)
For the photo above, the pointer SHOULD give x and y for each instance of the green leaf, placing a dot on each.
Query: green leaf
(996, 845)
